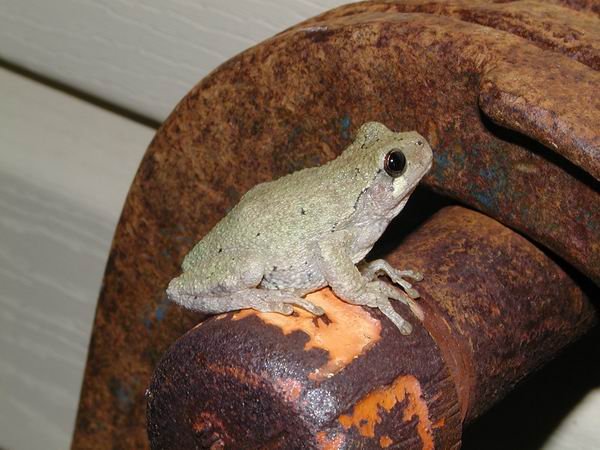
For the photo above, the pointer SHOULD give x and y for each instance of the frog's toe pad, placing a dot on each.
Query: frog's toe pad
(413, 274)
(405, 329)
(412, 292)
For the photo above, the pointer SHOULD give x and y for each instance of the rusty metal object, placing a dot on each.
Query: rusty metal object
(473, 70)
(496, 308)
(295, 101)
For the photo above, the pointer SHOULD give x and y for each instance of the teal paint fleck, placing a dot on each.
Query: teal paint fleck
(122, 393)
(161, 311)
(158, 314)
(441, 160)
(484, 198)
(345, 123)
(440, 165)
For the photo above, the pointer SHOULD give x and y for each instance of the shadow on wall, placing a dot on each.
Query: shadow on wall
(528, 416)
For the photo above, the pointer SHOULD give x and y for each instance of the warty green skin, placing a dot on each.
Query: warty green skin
(307, 230)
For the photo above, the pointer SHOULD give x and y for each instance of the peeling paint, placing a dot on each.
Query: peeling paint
(345, 124)
(289, 388)
(327, 442)
(347, 332)
(385, 441)
(237, 373)
(367, 411)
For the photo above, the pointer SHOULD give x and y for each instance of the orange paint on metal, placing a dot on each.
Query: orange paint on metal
(439, 424)
(289, 388)
(210, 423)
(385, 441)
(327, 442)
(346, 333)
(237, 373)
(366, 413)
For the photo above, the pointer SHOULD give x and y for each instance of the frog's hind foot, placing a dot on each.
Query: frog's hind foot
(276, 300)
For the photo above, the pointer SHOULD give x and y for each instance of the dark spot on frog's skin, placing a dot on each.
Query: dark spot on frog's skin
(359, 196)
(274, 268)
(378, 170)
(257, 234)
(302, 211)
(220, 250)
(419, 142)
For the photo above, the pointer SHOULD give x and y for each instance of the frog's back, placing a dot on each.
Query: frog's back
(278, 215)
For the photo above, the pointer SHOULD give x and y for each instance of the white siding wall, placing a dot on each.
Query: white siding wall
(142, 55)
(65, 167)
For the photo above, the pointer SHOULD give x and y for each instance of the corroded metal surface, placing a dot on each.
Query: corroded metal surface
(509, 306)
(496, 308)
(252, 382)
(296, 100)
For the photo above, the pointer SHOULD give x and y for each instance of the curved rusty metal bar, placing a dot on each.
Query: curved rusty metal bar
(295, 101)
(495, 309)
(514, 92)
(474, 70)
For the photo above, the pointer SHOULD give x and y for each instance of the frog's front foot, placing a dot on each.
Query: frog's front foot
(390, 291)
(376, 294)
(371, 270)
(400, 322)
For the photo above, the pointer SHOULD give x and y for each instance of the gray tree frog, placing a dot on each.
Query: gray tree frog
(307, 230)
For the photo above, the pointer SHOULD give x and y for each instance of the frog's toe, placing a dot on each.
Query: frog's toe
(279, 307)
(408, 287)
(412, 292)
(402, 324)
(401, 295)
(309, 306)
(316, 310)
(412, 274)
(405, 328)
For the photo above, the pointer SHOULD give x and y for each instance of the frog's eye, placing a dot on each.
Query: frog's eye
(394, 163)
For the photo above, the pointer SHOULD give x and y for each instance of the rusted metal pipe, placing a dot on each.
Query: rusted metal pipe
(496, 308)
(506, 93)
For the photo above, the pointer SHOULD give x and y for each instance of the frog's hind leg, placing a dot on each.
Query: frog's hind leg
(231, 283)
(264, 300)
